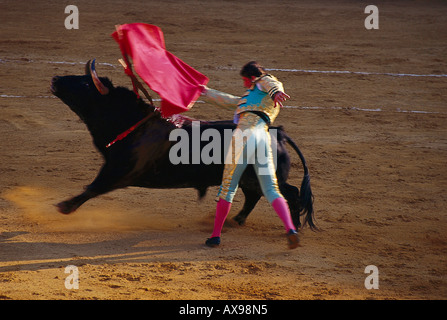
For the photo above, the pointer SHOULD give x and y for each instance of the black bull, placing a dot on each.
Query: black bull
(142, 158)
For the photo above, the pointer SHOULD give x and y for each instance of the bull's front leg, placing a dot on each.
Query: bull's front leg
(110, 177)
(74, 203)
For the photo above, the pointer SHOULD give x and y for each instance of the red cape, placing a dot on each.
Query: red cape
(176, 83)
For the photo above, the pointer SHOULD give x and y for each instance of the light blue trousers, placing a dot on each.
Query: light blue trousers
(251, 144)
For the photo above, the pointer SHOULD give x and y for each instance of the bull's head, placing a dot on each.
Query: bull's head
(105, 109)
(84, 94)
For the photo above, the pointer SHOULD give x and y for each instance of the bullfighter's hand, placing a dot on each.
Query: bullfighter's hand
(280, 97)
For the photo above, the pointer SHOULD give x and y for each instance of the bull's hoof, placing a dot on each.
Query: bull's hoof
(239, 220)
(65, 207)
(297, 223)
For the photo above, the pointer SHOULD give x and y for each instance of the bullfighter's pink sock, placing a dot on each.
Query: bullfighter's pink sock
(222, 209)
(282, 210)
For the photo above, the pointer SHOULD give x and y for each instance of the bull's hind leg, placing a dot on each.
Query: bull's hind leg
(251, 199)
(292, 195)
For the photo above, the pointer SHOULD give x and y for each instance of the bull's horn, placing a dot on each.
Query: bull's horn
(98, 84)
(87, 68)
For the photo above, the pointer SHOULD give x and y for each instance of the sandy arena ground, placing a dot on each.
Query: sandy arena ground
(375, 143)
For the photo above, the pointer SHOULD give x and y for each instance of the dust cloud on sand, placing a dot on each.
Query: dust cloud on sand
(37, 205)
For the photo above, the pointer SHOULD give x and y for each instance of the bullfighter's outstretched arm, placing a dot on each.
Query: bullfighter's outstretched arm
(219, 98)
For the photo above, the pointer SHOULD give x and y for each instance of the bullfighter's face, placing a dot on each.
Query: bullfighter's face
(248, 82)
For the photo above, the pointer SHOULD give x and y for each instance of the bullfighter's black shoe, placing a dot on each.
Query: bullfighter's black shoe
(213, 242)
(292, 237)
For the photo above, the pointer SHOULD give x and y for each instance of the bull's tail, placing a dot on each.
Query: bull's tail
(306, 196)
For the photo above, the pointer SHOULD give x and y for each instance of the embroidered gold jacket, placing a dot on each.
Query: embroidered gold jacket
(258, 98)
